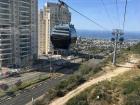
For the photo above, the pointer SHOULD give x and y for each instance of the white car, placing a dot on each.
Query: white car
(70, 57)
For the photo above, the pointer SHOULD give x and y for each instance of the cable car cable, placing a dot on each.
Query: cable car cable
(93, 21)
(117, 10)
(106, 10)
(125, 12)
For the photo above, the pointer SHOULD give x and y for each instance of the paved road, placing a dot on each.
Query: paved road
(26, 95)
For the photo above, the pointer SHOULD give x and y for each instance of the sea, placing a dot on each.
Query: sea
(106, 35)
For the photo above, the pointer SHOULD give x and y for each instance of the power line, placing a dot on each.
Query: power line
(93, 21)
(106, 10)
(125, 12)
(117, 10)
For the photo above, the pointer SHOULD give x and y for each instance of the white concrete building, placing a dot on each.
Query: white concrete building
(52, 14)
(18, 32)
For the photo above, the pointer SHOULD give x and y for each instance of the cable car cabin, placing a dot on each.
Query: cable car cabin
(63, 35)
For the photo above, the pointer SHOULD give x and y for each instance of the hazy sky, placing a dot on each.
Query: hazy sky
(95, 10)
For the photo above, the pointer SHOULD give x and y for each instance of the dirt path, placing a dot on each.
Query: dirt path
(107, 76)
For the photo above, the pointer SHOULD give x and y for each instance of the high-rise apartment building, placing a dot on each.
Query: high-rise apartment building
(18, 32)
(34, 28)
(41, 34)
(52, 14)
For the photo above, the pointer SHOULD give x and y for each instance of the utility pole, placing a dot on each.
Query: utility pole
(116, 33)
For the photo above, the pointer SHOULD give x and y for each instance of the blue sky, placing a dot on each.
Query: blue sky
(95, 10)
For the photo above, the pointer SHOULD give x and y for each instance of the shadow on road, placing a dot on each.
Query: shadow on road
(64, 69)
(10, 94)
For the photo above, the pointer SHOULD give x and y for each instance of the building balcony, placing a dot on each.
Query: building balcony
(21, 43)
(6, 14)
(26, 16)
(5, 2)
(23, 56)
(5, 20)
(5, 8)
(1, 59)
(7, 40)
(23, 47)
(25, 1)
(5, 29)
(24, 53)
(5, 54)
(3, 48)
(25, 7)
(26, 11)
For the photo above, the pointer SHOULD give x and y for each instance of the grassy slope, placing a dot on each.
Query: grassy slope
(121, 90)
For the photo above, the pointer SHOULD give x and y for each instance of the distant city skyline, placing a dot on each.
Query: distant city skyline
(95, 10)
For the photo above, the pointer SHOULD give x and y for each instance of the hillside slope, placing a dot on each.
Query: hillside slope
(119, 70)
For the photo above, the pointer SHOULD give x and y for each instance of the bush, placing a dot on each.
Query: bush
(71, 82)
(38, 102)
(10, 93)
(79, 100)
(18, 83)
(4, 87)
(63, 84)
(80, 80)
(60, 93)
(129, 87)
(135, 49)
(97, 69)
(85, 69)
(105, 90)
(138, 66)
(51, 94)
(133, 100)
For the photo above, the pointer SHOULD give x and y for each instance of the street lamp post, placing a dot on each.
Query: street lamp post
(50, 57)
